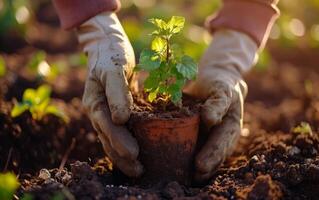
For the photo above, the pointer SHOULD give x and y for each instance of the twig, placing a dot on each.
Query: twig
(8, 159)
(67, 153)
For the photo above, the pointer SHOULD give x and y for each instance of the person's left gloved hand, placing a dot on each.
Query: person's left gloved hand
(220, 84)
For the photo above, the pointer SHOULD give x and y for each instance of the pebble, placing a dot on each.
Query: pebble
(255, 158)
(44, 174)
(293, 151)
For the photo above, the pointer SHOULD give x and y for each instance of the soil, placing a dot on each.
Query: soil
(163, 110)
(269, 162)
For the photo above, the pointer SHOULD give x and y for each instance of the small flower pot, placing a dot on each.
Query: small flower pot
(166, 146)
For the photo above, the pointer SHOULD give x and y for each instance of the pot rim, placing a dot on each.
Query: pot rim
(169, 122)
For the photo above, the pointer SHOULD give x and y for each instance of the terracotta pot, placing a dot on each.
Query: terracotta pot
(167, 147)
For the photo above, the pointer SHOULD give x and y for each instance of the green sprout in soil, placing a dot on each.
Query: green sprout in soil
(8, 185)
(38, 103)
(168, 67)
(303, 128)
(39, 66)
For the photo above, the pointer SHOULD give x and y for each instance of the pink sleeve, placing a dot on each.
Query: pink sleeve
(253, 17)
(74, 12)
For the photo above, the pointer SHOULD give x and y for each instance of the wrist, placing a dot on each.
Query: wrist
(231, 50)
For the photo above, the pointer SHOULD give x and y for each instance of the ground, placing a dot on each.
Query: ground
(270, 161)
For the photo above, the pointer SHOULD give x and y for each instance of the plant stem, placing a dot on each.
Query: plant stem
(167, 50)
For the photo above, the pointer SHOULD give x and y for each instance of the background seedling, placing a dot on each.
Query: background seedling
(8, 185)
(38, 103)
(303, 128)
(168, 67)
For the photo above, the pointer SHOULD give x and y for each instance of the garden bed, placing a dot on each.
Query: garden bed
(270, 162)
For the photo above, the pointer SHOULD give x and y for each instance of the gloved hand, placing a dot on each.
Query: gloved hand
(107, 97)
(220, 84)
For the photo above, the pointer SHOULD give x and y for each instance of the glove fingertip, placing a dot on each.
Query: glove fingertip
(139, 169)
(201, 164)
(120, 115)
(210, 117)
(133, 152)
(202, 177)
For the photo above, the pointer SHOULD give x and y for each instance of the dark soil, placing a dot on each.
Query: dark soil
(270, 162)
(163, 110)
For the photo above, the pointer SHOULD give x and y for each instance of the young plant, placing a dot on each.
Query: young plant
(38, 103)
(168, 67)
(303, 128)
(8, 185)
(39, 66)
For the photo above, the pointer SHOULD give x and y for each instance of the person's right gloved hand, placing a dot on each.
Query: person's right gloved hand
(107, 97)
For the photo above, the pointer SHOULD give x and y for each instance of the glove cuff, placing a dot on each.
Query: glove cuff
(230, 50)
(98, 27)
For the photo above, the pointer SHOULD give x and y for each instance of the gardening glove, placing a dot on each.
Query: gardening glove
(107, 97)
(220, 84)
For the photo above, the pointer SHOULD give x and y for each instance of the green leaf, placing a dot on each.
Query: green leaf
(149, 60)
(162, 89)
(29, 95)
(303, 128)
(176, 98)
(159, 23)
(151, 82)
(37, 96)
(43, 93)
(2, 67)
(159, 45)
(18, 109)
(177, 51)
(175, 90)
(8, 185)
(152, 96)
(176, 24)
(187, 67)
(41, 107)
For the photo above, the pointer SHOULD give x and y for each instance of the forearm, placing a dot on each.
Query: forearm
(253, 17)
(74, 12)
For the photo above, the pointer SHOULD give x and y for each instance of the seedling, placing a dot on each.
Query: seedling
(168, 67)
(303, 128)
(39, 66)
(8, 185)
(38, 103)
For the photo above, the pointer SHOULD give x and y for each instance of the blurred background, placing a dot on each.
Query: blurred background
(33, 23)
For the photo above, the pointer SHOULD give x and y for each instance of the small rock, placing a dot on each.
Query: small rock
(293, 151)
(44, 174)
(50, 181)
(255, 158)
(66, 178)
